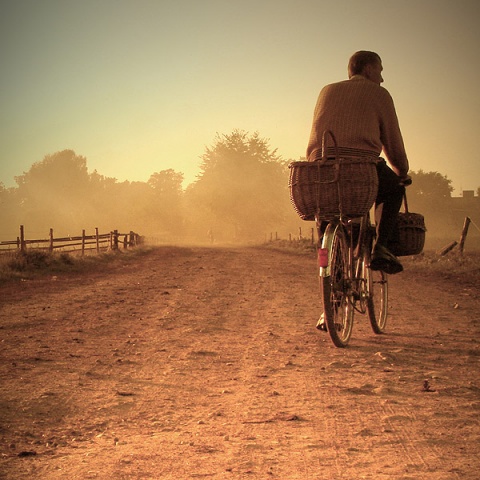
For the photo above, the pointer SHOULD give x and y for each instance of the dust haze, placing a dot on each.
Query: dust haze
(240, 196)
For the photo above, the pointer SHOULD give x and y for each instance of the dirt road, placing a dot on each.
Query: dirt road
(205, 363)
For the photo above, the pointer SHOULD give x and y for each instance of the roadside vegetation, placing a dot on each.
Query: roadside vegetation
(36, 263)
(463, 268)
(240, 194)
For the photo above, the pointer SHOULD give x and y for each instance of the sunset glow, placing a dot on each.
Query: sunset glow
(140, 87)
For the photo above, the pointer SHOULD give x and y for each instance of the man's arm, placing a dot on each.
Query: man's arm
(391, 137)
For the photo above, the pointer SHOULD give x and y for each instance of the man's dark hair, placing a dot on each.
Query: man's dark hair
(359, 60)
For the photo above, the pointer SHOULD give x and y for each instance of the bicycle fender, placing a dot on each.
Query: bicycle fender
(327, 243)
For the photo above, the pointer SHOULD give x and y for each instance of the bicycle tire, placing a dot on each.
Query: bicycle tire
(377, 297)
(337, 302)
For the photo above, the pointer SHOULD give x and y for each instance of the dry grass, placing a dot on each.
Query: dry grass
(462, 268)
(37, 263)
(297, 245)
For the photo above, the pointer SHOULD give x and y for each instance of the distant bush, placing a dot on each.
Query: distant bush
(38, 260)
(462, 268)
(298, 245)
(36, 263)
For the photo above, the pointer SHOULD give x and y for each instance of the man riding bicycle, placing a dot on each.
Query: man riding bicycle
(362, 116)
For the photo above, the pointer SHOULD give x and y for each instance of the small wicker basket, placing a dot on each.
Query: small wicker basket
(331, 187)
(410, 234)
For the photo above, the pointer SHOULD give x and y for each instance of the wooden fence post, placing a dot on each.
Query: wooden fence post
(50, 248)
(448, 248)
(83, 243)
(97, 240)
(115, 239)
(463, 237)
(22, 239)
(132, 239)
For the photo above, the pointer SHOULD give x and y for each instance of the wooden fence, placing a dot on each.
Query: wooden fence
(81, 243)
(310, 236)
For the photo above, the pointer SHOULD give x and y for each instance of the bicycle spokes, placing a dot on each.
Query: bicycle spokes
(336, 289)
(348, 284)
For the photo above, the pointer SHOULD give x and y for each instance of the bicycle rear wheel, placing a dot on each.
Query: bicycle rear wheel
(337, 298)
(377, 297)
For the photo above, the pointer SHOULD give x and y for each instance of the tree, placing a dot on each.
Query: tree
(65, 172)
(53, 190)
(59, 193)
(431, 195)
(429, 191)
(242, 186)
(8, 213)
(167, 183)
(431, 185)
(165, 207)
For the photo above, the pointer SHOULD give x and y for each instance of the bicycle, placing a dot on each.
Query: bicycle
(348, 284)
(340, 192)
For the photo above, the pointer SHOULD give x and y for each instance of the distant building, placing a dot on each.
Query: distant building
(468, 205)
(468, 194)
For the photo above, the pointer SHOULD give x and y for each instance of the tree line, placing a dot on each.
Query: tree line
(240, 194)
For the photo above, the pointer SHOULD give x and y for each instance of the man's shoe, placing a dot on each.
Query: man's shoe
(321, 325)
(385, 261)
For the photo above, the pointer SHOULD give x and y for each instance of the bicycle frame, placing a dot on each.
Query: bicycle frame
(348, 284)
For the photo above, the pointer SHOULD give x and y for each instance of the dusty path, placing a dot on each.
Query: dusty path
(204, 363)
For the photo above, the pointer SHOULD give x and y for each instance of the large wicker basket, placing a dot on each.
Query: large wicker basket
(409, 238)
(329, 187)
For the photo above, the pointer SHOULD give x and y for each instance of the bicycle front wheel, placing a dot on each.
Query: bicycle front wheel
(377, 297)
(337, 298)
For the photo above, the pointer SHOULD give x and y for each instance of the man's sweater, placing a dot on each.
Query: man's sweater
(362, 116)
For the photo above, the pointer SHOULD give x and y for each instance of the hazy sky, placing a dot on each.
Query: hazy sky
(141, 86)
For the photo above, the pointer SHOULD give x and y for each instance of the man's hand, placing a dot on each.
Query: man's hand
(406, 180)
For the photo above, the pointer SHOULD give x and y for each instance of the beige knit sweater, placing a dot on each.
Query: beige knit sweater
(362, 116)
